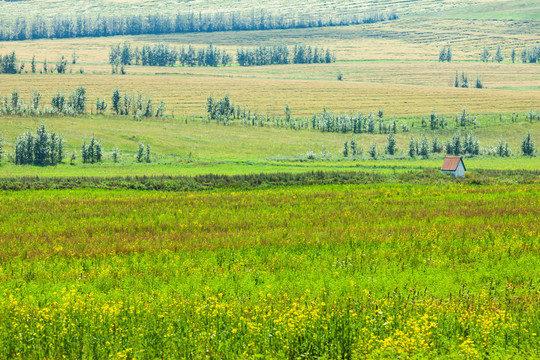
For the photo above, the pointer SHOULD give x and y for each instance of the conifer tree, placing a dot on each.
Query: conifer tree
(498, 55)
(147, 153)
(373, 150)
(485, 55)
(424, 147)
(436, 146)
(36, 97)
(391, 147)
(140, 153)
(115, 101)
(345, 149)
(412, 148)
(354, 147)
(528, 145)
(115, 154)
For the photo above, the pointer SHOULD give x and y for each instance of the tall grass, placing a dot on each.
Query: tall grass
(324, 271)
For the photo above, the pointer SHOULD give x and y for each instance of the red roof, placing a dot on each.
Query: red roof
(451, 163)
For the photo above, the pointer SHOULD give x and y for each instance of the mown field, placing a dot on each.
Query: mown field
(187, 94)
(326, 271)
(295, 8)
(391, 65)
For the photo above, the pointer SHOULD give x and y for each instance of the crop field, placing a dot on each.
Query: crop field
(327, 271)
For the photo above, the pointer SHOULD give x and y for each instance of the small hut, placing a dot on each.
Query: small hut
(454, 165)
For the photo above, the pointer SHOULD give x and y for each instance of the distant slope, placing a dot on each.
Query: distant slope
(296, 8)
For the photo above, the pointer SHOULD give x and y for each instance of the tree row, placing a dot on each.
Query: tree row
(76, 103)
(164, 55)
(44, 148)
(62, 26)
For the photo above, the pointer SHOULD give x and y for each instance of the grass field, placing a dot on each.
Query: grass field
(197, 147)
(331, 271)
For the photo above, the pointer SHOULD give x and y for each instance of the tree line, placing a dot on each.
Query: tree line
(76, 103)
(459, 144)
(223, 111)
(164, 55)
(62, 26)
(529, 54)
(463, 81)
(46, 148)
(10, 65)
(280, 54)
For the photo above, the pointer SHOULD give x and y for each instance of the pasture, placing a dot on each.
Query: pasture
(325, 271)
(199, 147)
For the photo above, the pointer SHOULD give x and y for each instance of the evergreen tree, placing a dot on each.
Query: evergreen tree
(424, 147)
(15, 101)
(288, 113)
(58, 102)
(436, 146)
(445, 54)
(73, 158)
(391, 147)
(502, 148)
(115, 154)
(160, 109)
(140, 153)
(147, 153)
(84, 153)
(93, 151)
(528, 145)
(77, 100)
(61, 65)
(24, 149)
(513, 55)
(42, 146)
(115, 101)
(36, 97)
(373, 150)
(345, 149)
(101, 105)
(33, 64)
(485, 55)
(498, 55)
(479, 84)
(412, 148)
(464, 80)
(456, 144)
(8, 64)
(471, 144)
(354, 147)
